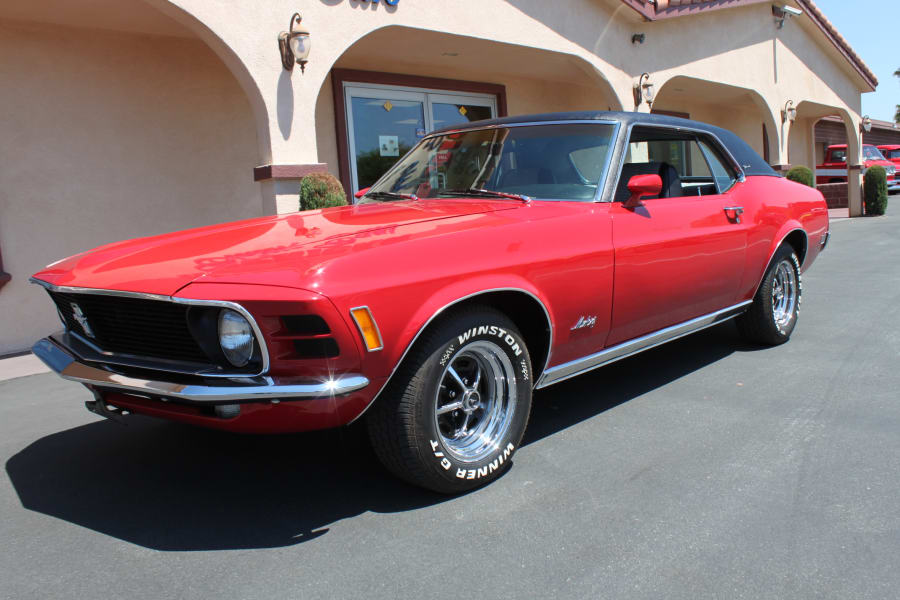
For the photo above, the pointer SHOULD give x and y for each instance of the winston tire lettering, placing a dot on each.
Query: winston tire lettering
(493, 331)
(488, 468)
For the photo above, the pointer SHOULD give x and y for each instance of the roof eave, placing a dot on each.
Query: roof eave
(660, 9)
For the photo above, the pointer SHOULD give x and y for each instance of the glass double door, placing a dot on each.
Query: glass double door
(383, 123)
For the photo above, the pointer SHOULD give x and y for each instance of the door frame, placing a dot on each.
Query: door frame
(341, 76)
(427, 97)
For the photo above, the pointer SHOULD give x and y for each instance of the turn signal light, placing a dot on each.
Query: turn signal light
(367, 328)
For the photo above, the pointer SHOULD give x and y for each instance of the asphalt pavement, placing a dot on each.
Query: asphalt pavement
(705, 468)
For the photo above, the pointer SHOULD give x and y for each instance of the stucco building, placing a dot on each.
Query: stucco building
(124, 118)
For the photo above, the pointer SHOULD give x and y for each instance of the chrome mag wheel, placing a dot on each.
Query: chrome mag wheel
(475, 401)
(784, 295)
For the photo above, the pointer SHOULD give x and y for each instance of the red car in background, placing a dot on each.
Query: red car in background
(494, 259)
(834, 169)
(891, 152)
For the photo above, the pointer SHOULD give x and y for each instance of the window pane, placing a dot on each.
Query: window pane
(725, 176)
(445, 115)
(383, 130)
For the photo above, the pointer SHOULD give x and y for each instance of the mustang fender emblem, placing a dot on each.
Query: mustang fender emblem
(78, 315)
(585, 323)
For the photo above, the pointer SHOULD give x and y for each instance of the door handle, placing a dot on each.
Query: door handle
(737, 210)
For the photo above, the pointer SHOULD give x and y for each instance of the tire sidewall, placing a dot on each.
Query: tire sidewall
(785, 254)
(458, 474)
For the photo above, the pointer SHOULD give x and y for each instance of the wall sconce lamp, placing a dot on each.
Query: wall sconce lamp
(638, 38)
(782, 12)
(294, 44)
(643, 90)
(789, 112)
(866, 124)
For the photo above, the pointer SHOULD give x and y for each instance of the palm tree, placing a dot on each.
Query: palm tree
(897, 112)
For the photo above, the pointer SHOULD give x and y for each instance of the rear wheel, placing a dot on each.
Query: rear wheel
(773, 314)
(456, 410)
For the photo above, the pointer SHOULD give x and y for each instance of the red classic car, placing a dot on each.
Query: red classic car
(492, 260)
(834, 169)
(892, 153)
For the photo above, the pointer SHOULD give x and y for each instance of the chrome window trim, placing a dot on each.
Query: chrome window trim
(260, 339)
(600, 184)
(590, 362)
(741, 177)
(247, 389)
(439, 312)
(359, 328)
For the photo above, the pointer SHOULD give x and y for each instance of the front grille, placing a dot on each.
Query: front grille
(136, 326)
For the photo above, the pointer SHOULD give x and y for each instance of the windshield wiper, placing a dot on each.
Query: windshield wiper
(483, 192)
(391, 195)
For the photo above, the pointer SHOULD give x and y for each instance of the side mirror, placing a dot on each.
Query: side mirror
(361, 193)
(642, 185)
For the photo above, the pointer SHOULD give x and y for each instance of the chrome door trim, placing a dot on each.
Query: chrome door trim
(261, 340)
(624, 350)
(439, 312)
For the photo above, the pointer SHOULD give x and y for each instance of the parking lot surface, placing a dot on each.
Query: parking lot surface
(705, 468)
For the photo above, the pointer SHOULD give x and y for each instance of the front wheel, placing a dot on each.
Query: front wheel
(456, 410)
(773, 314)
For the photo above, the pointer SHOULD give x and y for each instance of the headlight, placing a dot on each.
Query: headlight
(235, 337)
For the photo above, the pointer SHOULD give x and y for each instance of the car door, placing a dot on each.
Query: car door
(680, 255)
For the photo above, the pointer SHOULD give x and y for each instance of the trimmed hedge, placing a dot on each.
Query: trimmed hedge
(875, 192)
(801, 175)
(321, 190)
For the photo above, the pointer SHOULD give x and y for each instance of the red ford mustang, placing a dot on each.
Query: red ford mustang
(492, 260)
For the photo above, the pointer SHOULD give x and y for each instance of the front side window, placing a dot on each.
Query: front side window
(688, 165)
(543, 162)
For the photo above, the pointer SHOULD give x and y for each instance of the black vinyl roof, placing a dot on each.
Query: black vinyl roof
(751, 162)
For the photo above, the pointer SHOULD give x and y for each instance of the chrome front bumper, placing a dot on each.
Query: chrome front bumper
(219, 391)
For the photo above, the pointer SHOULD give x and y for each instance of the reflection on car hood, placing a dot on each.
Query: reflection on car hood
(255, 250)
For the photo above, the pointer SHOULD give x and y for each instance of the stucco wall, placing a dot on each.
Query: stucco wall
(114, 137)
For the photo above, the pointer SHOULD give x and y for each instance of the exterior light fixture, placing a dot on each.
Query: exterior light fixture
(789, 112)
(866, 124)
(638, 38)
(643, 91)
(782, 12)
(294, 44)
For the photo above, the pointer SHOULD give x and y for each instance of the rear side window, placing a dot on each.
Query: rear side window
(724, 175)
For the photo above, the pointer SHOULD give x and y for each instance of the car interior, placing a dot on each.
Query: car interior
(687, 165)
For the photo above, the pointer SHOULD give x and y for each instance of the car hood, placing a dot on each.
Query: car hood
(256, 250)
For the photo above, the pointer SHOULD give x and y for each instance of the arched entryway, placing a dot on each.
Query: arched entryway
(802, 149)
(442, 79)
(741, 110)
(136, 128)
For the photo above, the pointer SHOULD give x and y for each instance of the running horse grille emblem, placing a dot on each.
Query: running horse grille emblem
(78, 315)
(585, 323)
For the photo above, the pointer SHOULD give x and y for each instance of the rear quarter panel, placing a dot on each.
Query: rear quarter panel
(775, 207)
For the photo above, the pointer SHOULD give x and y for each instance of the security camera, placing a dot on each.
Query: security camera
(782, 12)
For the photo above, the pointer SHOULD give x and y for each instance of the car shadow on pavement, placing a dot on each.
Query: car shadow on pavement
(172, 487)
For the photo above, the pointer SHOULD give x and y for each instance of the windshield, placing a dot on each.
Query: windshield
(543, 162)
(872, 153)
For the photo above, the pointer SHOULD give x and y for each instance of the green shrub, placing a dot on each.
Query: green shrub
(321, 190)
(875, 190)
(801, 175)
